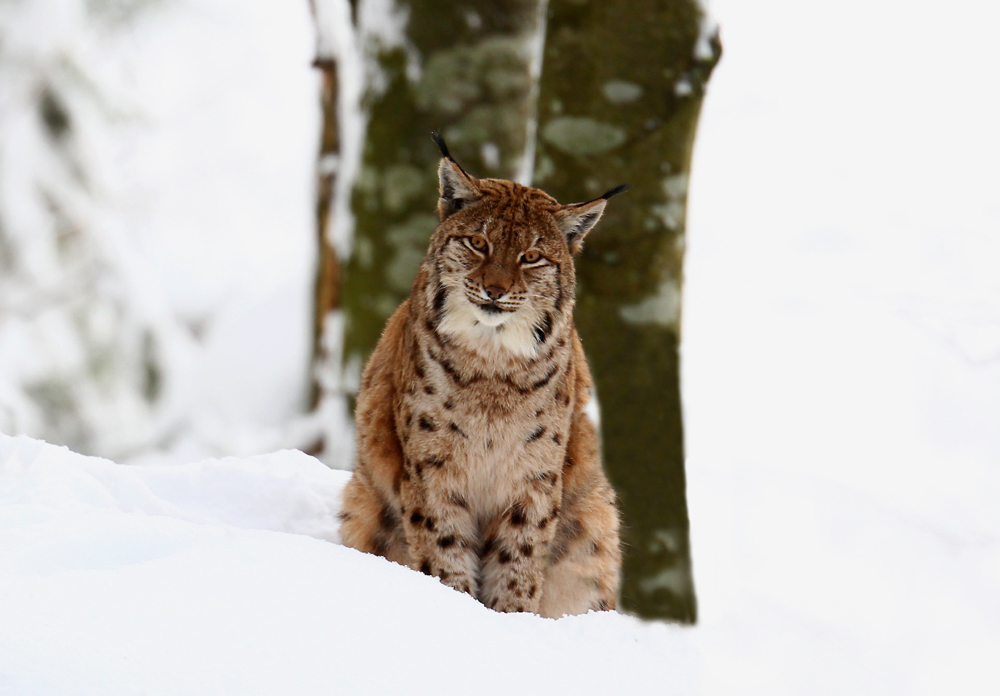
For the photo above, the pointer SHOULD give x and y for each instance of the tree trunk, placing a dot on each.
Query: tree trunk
(619, 100)
(466, 69)
(327, 293)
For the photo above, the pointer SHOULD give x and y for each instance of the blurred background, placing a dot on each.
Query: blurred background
(208, 208)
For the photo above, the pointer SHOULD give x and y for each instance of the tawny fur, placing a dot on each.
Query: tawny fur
(476, 462)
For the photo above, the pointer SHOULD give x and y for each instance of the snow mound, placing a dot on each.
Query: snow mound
(219, 577)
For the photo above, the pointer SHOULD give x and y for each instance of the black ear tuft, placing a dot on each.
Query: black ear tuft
(615, 191)
(442, 145)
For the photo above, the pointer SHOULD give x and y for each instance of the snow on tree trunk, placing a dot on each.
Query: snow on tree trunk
(338, 60)
(464, 68)
(620, 94)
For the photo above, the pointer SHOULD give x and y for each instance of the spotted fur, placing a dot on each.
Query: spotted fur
(476, 463)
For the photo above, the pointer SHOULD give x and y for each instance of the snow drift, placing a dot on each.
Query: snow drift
(220, 577)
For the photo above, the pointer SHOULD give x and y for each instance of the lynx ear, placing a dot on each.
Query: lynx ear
(456, 187)
(577, 219)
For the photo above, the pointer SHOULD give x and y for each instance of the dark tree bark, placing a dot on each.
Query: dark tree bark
(619, 101)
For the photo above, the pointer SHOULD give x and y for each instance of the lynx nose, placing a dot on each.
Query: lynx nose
(494, 292)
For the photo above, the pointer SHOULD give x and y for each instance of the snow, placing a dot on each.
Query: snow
(841, 383)
(841, 334)
(220, 577)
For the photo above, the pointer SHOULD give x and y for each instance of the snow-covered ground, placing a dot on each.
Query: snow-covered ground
(841, 350)
(219, 578)
(841, 386)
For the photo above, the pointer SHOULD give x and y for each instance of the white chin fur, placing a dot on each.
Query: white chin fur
(506, 333)
(492, 319)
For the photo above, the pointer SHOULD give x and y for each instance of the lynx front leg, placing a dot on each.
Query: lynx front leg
(440, 529)
(584, 560)
(516, 545)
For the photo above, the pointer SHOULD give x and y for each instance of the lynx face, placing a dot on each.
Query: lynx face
(504, 261)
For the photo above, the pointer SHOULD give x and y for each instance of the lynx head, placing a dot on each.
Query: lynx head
(501, 261)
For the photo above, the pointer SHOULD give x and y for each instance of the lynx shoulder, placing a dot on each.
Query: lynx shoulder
(476, 463)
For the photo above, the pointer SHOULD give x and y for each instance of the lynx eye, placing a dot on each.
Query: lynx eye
(478, 242)
(531, 256)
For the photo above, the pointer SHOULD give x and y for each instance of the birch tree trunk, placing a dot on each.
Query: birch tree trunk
(620, 95)
(464, 68)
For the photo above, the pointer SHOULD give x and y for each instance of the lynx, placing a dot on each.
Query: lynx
(476, 462)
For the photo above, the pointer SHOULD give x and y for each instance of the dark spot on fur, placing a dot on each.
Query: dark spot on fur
(548, 478)
(416, 517)
(455, 429)
(517, 515)
(535, 435)
(344, 516)
(511, 584)
(456, 499)
(425, 568)
(429, 524)
(427, 424)
(543, 523)
(603, 605)
(519, 608)
(559, 395)
(527, 550)
(539, 413)
(435, 461)
(446, 541)
(429, 389)
(570, 460)
(555, 439)
(543, 329)
(449, 369)
(594, 548)
(565, 535)
(440, 295)
(489, 443)
(532, 591)
(488, 547)
(387, 518)
(419, 369)
(505, 557)
(515, 386)
(443, 574)
(449, 404)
